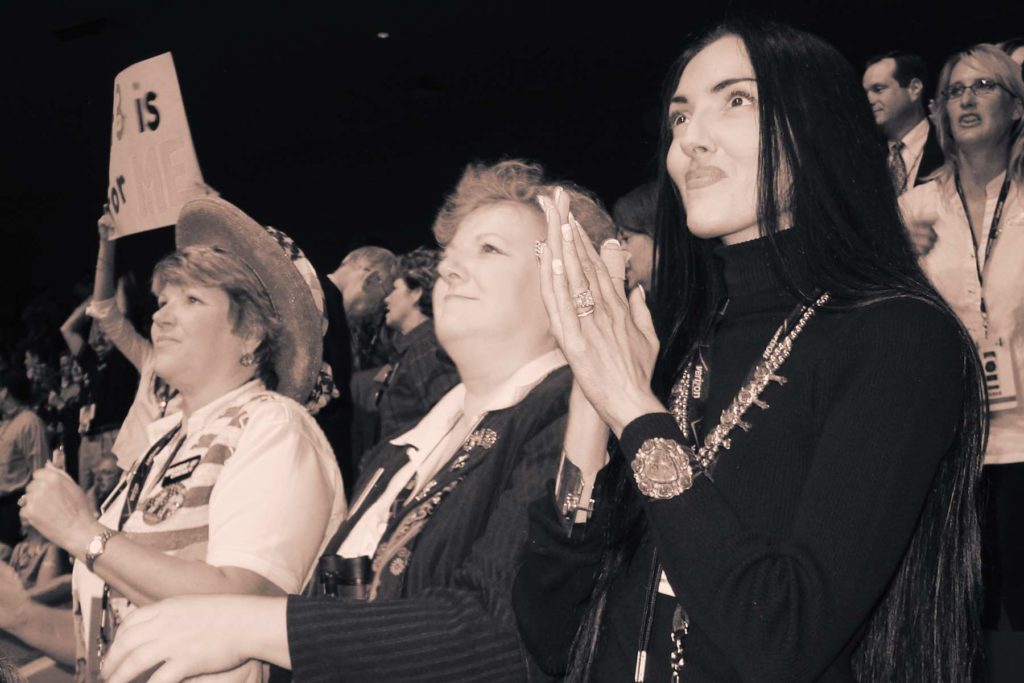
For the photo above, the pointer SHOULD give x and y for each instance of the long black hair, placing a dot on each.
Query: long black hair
(816, 128)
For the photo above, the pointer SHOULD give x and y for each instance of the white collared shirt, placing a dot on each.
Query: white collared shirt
(432, 443)
(952, 268)
(913, 149)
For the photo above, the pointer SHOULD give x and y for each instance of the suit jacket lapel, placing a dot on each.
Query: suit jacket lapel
(477, 446)
(388, 466)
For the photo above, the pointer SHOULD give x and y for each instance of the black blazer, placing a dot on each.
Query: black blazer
(452, 619)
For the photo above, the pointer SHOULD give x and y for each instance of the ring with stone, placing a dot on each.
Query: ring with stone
(584, 303)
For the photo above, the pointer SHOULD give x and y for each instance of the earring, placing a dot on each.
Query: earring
(247, 360)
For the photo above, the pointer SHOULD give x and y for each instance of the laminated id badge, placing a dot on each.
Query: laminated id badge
(1000, 379)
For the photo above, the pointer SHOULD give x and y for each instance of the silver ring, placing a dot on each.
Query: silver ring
(584, 303)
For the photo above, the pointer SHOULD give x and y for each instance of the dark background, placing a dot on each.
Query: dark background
(305, 118)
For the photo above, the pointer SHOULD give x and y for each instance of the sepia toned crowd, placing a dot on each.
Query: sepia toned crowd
(760, 421)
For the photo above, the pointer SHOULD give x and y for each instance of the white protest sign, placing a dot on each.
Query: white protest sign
(153, 167)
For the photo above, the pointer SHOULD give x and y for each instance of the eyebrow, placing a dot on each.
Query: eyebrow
(718, 87)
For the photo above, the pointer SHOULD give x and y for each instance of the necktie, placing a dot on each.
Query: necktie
(897, 167)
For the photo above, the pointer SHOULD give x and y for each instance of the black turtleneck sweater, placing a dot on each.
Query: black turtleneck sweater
(780, 559)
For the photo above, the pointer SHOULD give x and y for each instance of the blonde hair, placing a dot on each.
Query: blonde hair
(983, 57)
(519, 182)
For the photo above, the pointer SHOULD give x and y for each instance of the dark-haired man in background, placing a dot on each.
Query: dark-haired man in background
(896, 84)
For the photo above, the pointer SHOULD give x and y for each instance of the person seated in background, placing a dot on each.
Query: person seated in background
(634, 221)
(420, 373)
(439, 522)
(968, 224)
(237, 491)
(105, 476)
(896, 84)
(42, 568)
(23, 448)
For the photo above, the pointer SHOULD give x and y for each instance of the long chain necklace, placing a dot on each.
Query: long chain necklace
(766, 370)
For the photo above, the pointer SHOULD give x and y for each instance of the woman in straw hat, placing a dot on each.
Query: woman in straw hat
(239, 489)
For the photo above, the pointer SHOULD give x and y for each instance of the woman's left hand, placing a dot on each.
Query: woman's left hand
(58, 509)
(612, 349)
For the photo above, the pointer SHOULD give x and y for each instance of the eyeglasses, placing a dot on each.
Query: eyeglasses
(983, 87)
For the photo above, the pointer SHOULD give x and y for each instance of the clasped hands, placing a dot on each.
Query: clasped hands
(611, 348)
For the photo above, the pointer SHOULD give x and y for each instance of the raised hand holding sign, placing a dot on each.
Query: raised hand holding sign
(153, 166)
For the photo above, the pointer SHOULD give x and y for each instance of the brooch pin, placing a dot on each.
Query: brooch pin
(485, 438)
(159, 507)
(400, 562)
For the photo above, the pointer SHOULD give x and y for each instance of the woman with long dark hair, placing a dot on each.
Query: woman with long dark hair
(792, 496)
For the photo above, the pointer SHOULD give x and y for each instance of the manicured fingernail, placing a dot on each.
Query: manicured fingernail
(566, 232)
(611, 243)
(643, 292)
(557, 267)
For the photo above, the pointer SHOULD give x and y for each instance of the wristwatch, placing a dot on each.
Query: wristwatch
(97, 546)
(662, 468)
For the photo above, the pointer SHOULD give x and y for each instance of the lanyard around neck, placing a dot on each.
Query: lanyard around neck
(136, 479)
(993, 232)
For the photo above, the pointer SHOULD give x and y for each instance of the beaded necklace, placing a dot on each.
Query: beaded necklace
(772, 358)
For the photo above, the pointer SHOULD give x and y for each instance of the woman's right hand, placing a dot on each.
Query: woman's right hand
(105, 224)
(13, 597)
(586, 436)
(104, 286)
(610, 341)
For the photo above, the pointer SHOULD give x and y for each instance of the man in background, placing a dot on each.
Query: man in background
(896, 85)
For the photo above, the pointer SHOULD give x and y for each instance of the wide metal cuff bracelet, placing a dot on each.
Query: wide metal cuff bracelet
(662, 468)
(569, 496)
